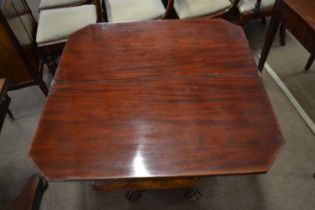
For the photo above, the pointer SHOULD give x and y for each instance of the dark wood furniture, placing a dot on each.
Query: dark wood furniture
(260, 13)
(309, 62)
(149, 102)
(31, 195)
(256, 13)
(299, 18)
(4, 102)
(49, 43)
(18, 57)
(52, 4)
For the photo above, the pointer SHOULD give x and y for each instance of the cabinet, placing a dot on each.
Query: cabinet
(18, 58)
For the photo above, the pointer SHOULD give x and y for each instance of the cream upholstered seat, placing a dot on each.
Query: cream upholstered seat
(48, 4)
(133, 10)
(55, 25)
(248, 5)
(247, 10)
(197, 8)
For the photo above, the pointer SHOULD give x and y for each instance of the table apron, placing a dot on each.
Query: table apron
(302, 31)
(148, 184)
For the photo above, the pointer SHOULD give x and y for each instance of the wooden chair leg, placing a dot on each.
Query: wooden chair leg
(98, 9)
(282, 34)
(309, 63)
(9, 111)
(51, 63)
(31, 195)
(104, 13)
(42, 84)
(10, 115)
(272, 30)
(44, 88)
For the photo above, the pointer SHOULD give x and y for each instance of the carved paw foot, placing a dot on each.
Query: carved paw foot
(192, 195)
(133, 195)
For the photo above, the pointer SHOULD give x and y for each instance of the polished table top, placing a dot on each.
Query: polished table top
(155, 49)
(156, 99)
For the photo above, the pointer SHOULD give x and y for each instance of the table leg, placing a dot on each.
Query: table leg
(270, 36)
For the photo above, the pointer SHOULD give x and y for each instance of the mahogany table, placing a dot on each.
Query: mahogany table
(156, 104)
(298, 16)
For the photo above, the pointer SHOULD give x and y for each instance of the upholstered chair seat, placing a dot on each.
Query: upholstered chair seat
(48, 4)
(55, 25)
(245, 6)
(197, 8)
(133, 10)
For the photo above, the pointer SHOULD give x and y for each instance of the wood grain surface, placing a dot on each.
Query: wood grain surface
(298, 17)
(157, 115)
(305, 9)
(156, 128)
(154, 48)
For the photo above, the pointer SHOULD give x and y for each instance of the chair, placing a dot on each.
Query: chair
(50, 4)
(136, 10)
(255, 9)
(31, 195)
(187, 9)
(55, 25)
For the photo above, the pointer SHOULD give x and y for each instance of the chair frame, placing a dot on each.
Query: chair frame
(47, 54)
(31, 195)
(257, 13)
(96, 2)
(37, 75)
(72, 5)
